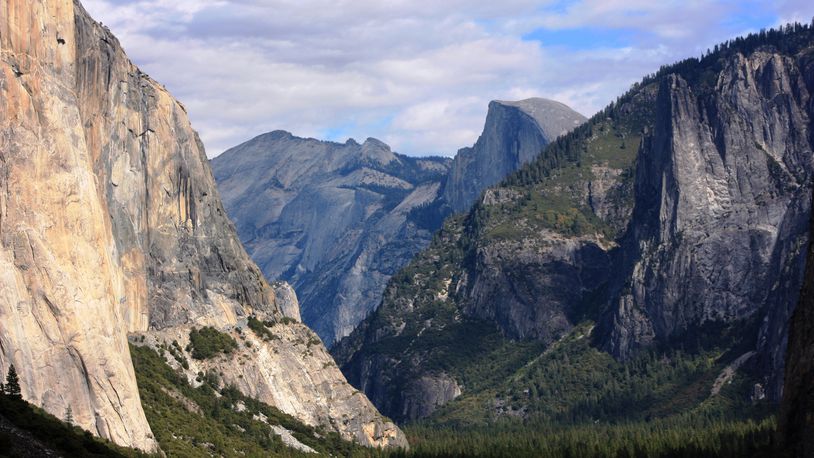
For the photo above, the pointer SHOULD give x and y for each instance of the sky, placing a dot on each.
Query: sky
(417, 74)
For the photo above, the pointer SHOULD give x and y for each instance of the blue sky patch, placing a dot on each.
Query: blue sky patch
(585, 37)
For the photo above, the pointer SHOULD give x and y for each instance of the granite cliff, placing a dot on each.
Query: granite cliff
(111, 225)
(725, 175)
(337, 220)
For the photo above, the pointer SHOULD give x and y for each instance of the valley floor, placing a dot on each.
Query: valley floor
(198, 422)
(656, 439)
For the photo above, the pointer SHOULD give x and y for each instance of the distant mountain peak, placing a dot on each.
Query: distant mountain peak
(514, 133)
(274, 135)
(378, 151)
(554, 118)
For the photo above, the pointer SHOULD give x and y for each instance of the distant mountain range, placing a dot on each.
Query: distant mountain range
(337, 220)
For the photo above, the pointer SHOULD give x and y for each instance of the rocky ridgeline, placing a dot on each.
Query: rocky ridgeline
(111, 224)
(333, 219)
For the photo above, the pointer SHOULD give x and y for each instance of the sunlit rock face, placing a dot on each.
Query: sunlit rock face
(110, 224)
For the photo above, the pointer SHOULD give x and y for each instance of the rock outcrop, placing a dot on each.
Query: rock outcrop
(726, 175)
(338, 220)
(425, 395)
(111, 224)
(515, 133)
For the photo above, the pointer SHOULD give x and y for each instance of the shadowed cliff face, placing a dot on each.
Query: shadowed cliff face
(683, 207)
(796, 418)
(338, 220)
(111, 224)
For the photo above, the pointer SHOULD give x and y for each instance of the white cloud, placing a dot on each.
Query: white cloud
(417, 74)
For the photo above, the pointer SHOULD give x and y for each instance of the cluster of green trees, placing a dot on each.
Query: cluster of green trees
(208, 342)
(203, 421)
(733, 439)
(262, 329)
(11, 387)
(787, 39)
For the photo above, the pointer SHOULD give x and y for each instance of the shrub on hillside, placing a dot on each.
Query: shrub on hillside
(208, 342)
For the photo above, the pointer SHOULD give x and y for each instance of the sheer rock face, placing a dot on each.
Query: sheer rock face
(796, 420)
(338, 220)
(514, 134)
(533, 290)
(286, 299)
(722, 209)
(424, 395)
(61, 316)
(332, 219)
(110, 223)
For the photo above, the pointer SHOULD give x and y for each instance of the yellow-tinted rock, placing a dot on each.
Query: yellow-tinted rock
(110, 223)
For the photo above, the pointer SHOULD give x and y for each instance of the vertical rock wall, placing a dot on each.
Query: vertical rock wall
(110, 223)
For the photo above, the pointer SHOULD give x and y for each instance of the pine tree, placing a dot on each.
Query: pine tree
(12, 388)
(69, 415)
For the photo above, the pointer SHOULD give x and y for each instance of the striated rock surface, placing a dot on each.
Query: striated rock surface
(338, 220)
(533, 288)
(423, 396)
(63, 291)
(514, 134)
(111, 224)
(286, 299)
